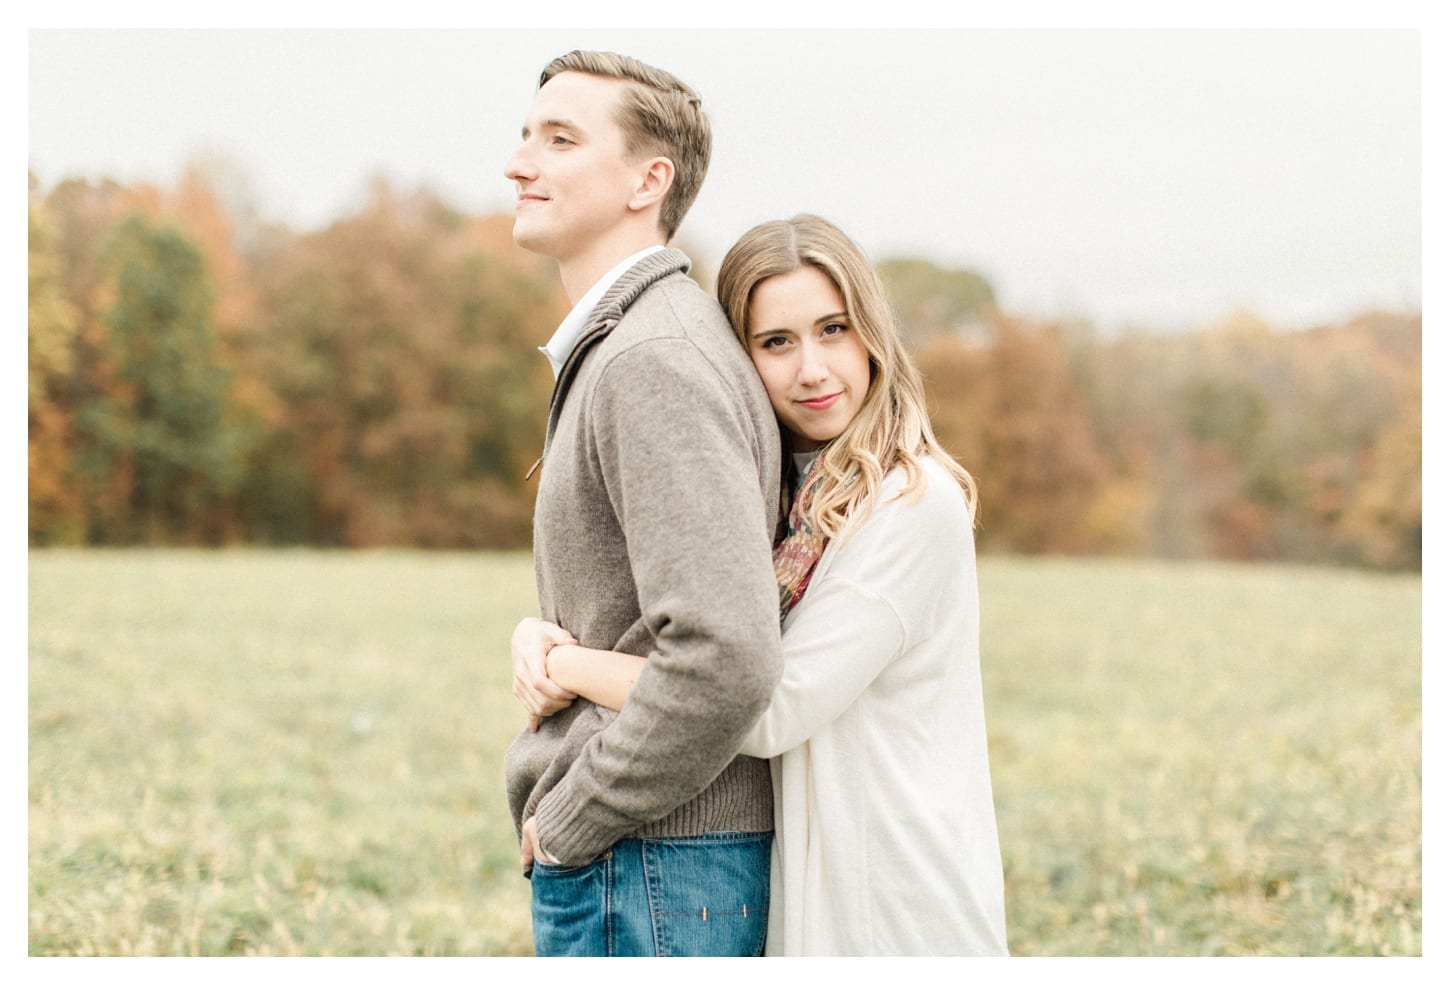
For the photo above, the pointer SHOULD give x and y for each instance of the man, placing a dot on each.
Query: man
(643, 833)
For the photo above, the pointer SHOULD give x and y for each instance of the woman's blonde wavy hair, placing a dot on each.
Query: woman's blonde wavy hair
(892, 428)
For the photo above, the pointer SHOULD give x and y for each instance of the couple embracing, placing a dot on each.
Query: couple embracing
(755, 706)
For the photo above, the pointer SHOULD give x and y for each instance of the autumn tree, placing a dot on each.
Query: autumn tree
(932, 301)
(1012, 413)
(56, 509)
(1382, 519)
(164, 425)
(1359, 407)
(197, 375)
(400, 345)
(77, 221)
(1254, 442)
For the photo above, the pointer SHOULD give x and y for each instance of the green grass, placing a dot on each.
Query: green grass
(298, 753)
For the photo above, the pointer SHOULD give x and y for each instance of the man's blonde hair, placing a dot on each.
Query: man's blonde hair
(660, 116)
(892, 428)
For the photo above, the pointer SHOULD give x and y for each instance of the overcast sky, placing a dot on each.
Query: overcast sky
(1160, 179)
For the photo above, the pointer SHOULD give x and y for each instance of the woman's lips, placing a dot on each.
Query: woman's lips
(819, 403)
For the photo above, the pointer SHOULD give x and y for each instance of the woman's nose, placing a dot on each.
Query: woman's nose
(813, 367)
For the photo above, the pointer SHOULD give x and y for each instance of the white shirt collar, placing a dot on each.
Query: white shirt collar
(564, 337)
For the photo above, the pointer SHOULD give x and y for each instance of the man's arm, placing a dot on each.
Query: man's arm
(678, 459)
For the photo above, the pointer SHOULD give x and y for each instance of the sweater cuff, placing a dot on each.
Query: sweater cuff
(564, 831)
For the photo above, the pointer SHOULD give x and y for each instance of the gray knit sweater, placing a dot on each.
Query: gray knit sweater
(652, 527)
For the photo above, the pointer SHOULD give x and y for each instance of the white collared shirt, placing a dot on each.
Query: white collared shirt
(564, 337)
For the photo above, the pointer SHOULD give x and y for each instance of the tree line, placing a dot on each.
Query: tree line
(198, 377)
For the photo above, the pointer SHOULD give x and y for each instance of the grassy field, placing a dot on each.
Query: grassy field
(298, 753)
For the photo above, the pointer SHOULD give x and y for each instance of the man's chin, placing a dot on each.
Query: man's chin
(530, 240)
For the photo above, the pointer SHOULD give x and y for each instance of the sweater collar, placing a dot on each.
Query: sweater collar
(562, 342)
(631, 284)
(607, 313)
(621, 294)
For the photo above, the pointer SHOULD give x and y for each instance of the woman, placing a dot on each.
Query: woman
(886, 838)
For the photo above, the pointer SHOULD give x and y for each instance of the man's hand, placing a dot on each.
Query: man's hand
(531, 643)
(529, 846)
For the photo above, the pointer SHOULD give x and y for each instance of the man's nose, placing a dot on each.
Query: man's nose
(520, 165)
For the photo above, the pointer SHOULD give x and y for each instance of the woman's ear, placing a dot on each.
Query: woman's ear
(655, 181)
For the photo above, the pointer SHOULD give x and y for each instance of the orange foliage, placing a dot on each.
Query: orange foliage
(385, 389)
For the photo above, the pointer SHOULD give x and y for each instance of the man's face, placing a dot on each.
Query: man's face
(573, 176)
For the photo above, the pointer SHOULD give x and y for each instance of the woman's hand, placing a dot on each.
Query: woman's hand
(529, 648)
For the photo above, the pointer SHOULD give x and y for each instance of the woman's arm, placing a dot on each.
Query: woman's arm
(878, 596)
(851, 625)
(839, 643)
(843, 635)
(832, 654)
(550, 669)
(605, 677)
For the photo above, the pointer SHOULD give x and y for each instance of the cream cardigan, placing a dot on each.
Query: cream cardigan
(886, 837)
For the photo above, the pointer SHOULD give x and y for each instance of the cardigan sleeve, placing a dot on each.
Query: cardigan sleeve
(839, 644)
(874, 598)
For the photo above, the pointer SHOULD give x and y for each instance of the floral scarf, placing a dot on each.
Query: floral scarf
(798, 545)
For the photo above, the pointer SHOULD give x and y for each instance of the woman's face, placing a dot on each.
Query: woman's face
(809, 356)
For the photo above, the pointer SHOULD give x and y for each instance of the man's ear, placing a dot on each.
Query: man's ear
(654, 183)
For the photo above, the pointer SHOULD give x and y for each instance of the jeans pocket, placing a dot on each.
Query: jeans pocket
(569, 909)
(709, 896)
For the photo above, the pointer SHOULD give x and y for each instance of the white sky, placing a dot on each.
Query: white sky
(1154, 178)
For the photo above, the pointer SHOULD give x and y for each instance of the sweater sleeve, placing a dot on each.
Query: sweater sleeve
(865, 610)
(679, 463)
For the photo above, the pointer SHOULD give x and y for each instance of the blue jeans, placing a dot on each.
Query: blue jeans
(662, 897)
